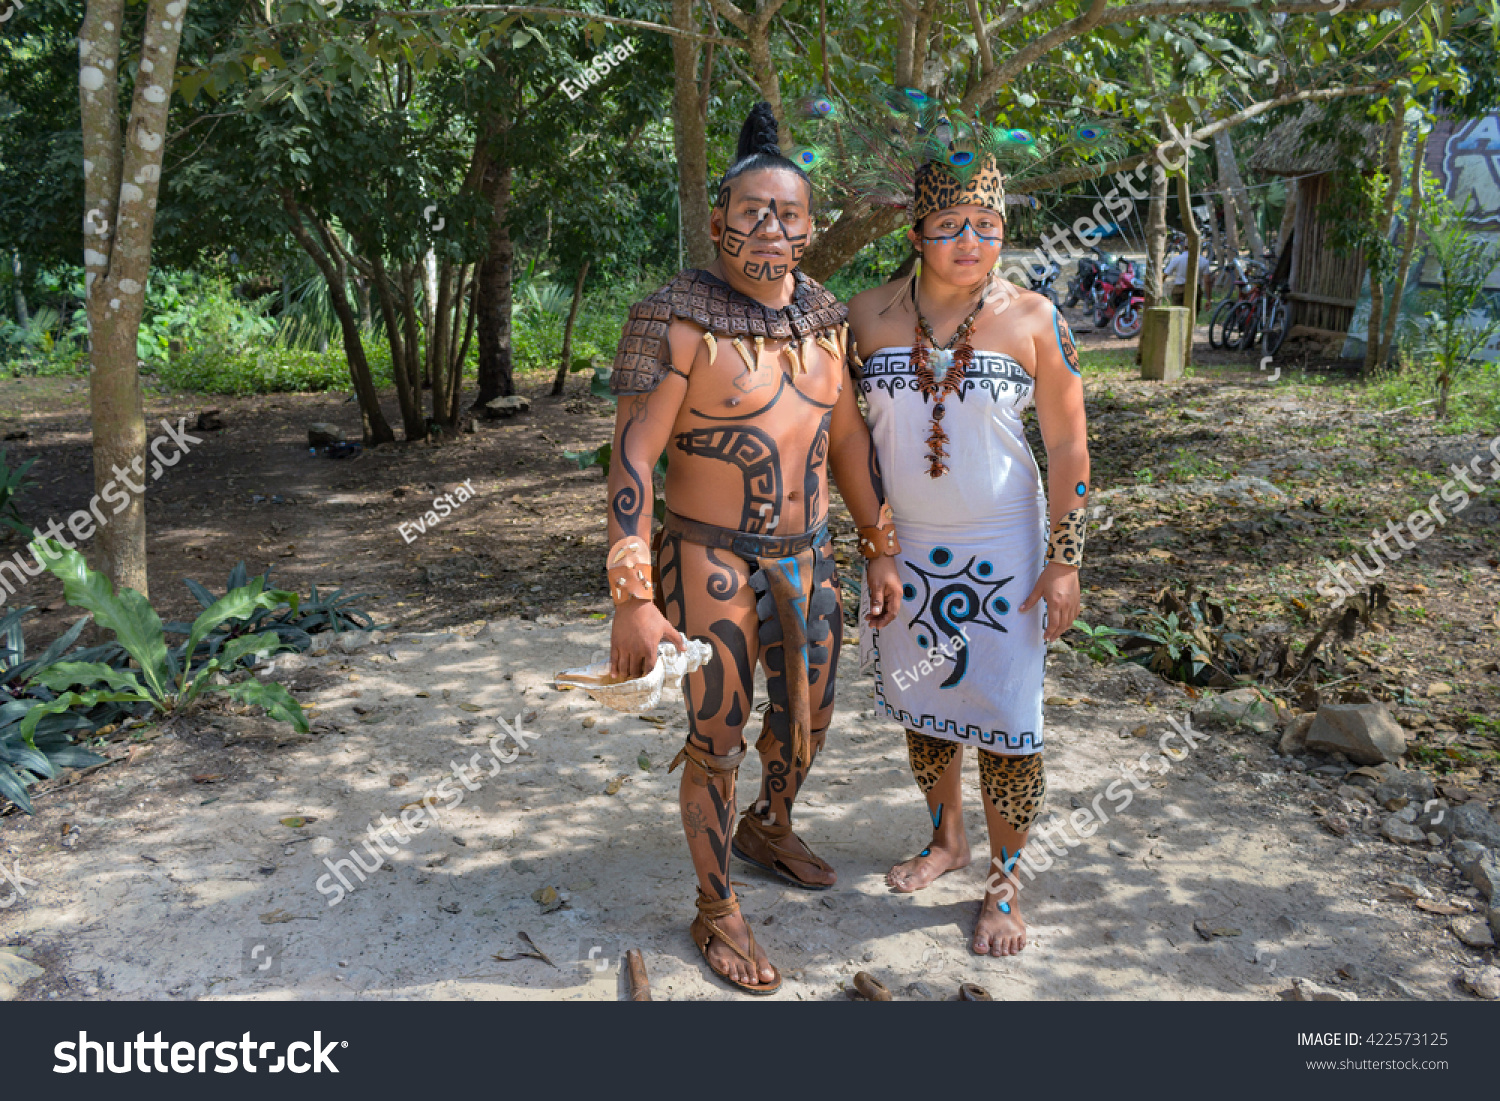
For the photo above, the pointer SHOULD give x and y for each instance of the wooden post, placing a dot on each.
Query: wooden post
(1164, 338)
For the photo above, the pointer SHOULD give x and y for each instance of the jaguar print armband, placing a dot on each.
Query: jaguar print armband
(1066, 544)
(880, 538)
(629, 568)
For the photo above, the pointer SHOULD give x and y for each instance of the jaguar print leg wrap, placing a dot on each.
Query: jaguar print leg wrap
(1015, 786)
(930, 758)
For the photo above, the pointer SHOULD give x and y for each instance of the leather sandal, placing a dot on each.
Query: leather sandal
(705, 928)
(765, 846)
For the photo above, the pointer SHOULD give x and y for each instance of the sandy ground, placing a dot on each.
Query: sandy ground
(151, 885)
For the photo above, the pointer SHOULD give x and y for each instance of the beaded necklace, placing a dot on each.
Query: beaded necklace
(940, 375)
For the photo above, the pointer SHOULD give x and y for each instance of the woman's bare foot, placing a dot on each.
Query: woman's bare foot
(999, 930)
(724, 959)
(935, 860)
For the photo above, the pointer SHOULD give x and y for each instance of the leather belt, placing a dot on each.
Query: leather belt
(743, 543)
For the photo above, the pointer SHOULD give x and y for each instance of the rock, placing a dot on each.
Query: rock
(920, 990)
(1119, 849)
(1336, 824)
(1294, 739)
(351, 642)
(507, 406)
(1473, 931)
(209, 421)
(1404, 886)
(1435, 818)
(1483, 981)
(1466, 854)
(1484, 873)
(1364, 732)
(323, 434)
(1402, 989)
(1407, 814)
(285, 664)
(1495, 923)
(1400, 833)
(15, 972)
(1439, 688)
(1305, 990)
(1474, 822)
(1245, 706)
(1402, 788)
(1355, 794)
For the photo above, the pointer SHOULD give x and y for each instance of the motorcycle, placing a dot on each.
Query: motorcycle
(1124, 304)
(1042, 281)
(1082, 285)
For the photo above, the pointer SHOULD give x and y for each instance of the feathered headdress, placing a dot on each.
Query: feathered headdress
(912, 152)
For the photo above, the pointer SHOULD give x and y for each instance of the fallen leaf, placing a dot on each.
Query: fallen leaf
(644, 762)
(207, 777)
(408, 806)
(469, 707)
(276, 917)
(654, 720)
(535, 947)
(1062, 701)
(1439, 907)
(613, 787)
(1208, 931)
(548, 898)
(296, 822)
(424, 695)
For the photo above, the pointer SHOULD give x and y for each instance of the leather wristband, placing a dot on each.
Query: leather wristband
(880, 539)
(1066, 544)
(629, 567)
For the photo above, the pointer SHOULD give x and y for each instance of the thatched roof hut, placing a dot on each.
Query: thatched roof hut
(1324, 284)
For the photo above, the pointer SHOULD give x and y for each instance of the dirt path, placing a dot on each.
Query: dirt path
(151, 885)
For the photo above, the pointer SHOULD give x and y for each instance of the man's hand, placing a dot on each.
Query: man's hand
(885, 590)
(1058, 586)
(634, 637)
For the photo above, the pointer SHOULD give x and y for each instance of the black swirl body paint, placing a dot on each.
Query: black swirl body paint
(629, 500)
(754, 452)
(817, 456)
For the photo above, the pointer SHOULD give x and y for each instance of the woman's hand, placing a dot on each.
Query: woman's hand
(1058, 586)
(885, 590)
(637, 631)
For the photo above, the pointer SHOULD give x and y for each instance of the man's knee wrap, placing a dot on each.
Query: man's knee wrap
(1015, 786)
(709, 767)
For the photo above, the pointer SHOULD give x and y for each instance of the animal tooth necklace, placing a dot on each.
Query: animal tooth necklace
(940, 374)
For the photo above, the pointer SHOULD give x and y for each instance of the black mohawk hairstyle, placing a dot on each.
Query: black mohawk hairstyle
(758, 148)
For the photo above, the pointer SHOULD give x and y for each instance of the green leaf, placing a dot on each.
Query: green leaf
(69, 700)
(238, 603)
(12, 788)
(273, 698)
(128, 615)
(86, 674)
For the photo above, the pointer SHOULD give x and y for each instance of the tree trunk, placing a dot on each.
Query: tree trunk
(1229, 170)
(440, 315)
(1156, 238)
(690, 140)
(1195, 243)
(1380, 242)
(23, 317)
(561, 380)
(376, 430)
(121, 182)
(1403, 269)
(855, 229)
(493, 304)
(408, 386)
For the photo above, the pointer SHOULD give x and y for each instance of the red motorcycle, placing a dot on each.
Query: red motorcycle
(1122, 303)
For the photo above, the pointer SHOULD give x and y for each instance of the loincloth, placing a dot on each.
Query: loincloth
(787, 571)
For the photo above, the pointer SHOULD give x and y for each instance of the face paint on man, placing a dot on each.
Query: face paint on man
(761, 224)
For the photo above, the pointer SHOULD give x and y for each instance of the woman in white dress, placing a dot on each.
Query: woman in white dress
(951, 360)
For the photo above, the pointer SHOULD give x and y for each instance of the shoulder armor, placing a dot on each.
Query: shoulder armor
(644, 354)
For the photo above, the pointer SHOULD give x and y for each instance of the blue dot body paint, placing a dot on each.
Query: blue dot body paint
(925, 852)
(937, 816)
(1004, 907)
(1080, 489)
